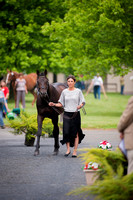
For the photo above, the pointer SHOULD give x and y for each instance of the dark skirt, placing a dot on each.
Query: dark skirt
(71, 126)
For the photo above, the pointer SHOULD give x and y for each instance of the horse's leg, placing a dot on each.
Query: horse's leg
(56, 135)
(39, 132)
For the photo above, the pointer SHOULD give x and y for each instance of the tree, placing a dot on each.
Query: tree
(94, 36)
(23, 47)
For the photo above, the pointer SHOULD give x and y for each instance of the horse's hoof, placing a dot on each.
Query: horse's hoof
(56, 151)
(36, 153)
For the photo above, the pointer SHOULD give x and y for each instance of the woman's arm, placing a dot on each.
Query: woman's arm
(7, 107)
(55, 104)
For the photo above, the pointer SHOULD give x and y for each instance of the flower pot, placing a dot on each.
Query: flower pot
(91, 176)
(29, 142)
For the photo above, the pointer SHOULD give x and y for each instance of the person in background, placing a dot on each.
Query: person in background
(97, 84)
(2, 102)
(122, 83)
(80, 83)
(21, 90)
(125, 127)
(1, 77)
(6, 94)
(72, 100)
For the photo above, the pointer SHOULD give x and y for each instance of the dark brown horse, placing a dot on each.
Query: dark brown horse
(46, 93)
(31, 80)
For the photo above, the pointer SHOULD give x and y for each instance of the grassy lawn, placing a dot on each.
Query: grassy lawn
(104, 113)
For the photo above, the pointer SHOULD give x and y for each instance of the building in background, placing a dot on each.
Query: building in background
(59, 77)
(111, 83)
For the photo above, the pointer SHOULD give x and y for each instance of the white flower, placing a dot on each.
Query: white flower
(95, 165)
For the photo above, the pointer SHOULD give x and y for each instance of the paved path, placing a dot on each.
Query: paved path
(46, 177)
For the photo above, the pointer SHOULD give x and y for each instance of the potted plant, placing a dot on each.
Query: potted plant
(27, 124)
(29, 139)
(112, 183)
(90, 171)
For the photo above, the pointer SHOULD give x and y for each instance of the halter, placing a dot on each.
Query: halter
(38, 89)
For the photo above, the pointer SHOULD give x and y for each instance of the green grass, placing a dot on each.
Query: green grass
(103, 114)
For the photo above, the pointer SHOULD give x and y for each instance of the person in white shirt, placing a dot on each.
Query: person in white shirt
(21, 89)
(72, 100)
(97, 84)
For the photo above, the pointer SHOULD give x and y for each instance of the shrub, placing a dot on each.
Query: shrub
(28, 124)
(112, 162)
(115, 188)
(112, 183)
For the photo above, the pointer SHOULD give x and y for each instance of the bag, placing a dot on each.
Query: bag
(2, 101)
(122, 148)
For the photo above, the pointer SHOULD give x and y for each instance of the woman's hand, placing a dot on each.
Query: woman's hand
(8, 110)
(51, 104)
(79, 107)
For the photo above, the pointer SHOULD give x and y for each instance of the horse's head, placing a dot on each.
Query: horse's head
(9, 77)
(42, 84)
(12, 76)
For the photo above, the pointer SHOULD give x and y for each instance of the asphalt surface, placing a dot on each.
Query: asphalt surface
(45, 177)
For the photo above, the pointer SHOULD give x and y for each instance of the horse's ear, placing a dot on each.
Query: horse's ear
(45, 72)
(37, 72)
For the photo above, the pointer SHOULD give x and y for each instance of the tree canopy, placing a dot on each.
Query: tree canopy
(72, 36)
(23, 47)
(94, 36)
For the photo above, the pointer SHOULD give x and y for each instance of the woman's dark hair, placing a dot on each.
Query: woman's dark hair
(71, 76)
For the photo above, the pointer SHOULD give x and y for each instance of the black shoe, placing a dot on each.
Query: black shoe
(74, 156)
(67, 154)
(3, 127)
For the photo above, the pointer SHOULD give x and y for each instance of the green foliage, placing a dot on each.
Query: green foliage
(27, 124)
(93, 37)
(112, 184)
(22, 44)
(109, 189)
(68, 36)
(114, 188)
(111, 162)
